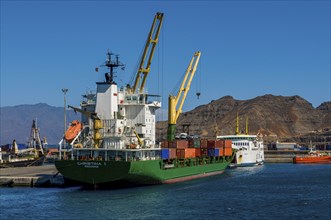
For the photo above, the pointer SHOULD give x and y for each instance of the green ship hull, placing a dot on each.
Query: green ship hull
(146, 172)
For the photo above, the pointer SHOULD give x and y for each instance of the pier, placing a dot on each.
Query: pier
(285, 156)
(33, 176)
(276, 156)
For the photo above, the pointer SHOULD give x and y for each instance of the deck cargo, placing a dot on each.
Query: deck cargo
(186, 153)
(180, 144)
(172, 153)
(215, 144)
(227, 151)
(194, 143)
(164, 144)
(203, 143)
(165, 153)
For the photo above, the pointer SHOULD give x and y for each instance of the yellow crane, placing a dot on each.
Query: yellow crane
(178, 100)
(146, 59)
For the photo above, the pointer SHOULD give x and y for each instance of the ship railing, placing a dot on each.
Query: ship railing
(62, 144)
(72, 143)
(116, 154)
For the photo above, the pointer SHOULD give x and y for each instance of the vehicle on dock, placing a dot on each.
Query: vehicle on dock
(116, 143)
(32, 155)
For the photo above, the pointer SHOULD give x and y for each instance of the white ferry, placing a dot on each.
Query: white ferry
(249, 149)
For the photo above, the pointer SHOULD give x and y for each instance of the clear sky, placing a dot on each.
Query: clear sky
(249, 48)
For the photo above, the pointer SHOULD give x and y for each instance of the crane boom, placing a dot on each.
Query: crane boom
(174, 113)
(148, 53)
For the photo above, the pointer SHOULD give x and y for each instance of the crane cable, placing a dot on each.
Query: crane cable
(135, 70)
(198, 81)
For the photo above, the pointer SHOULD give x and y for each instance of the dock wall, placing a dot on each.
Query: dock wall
(34, 176)
(284, 156)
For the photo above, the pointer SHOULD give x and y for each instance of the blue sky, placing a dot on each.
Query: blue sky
(249, 48)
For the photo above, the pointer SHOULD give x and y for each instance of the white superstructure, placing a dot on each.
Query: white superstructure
(124, 116)
(249, 148)
(114, 119)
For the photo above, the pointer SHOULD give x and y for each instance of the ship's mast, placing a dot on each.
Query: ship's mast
(237, 124)
(112, 65)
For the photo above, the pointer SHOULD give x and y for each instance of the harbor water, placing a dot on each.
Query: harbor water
(270, 191)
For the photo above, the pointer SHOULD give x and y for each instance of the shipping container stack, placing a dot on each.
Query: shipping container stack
(217, 148)
(195, 149)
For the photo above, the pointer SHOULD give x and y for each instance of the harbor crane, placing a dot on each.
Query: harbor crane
(146, 58)
(178, 100)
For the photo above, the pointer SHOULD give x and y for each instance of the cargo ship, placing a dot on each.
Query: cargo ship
(115, 142)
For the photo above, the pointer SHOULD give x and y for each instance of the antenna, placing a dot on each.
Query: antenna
(112, 65)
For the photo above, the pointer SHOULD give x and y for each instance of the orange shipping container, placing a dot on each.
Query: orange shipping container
(227, 143)
(197, 152)
(181, 144)
(218, 144)
(221, 151)
(172, 153)
(227, 151)
(186, 153)
(215, 143)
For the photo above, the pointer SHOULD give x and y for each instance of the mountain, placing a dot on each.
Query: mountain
(284, 116)
(16, 122)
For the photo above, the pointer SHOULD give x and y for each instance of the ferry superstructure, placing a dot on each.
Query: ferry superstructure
(250, 149)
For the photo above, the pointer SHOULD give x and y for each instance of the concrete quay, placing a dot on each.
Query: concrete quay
(274, 156)
(34, 176)
(285, 156)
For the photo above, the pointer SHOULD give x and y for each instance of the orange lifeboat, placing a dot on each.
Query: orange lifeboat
(73, 130)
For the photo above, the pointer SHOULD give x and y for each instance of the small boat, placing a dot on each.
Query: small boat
(73, 130)
(313, 157)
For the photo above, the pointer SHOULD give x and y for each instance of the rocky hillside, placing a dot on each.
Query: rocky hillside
(16, 122)
(270, 115)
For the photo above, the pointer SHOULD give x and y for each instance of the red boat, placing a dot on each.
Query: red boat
(313, 157)
(73, 130)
